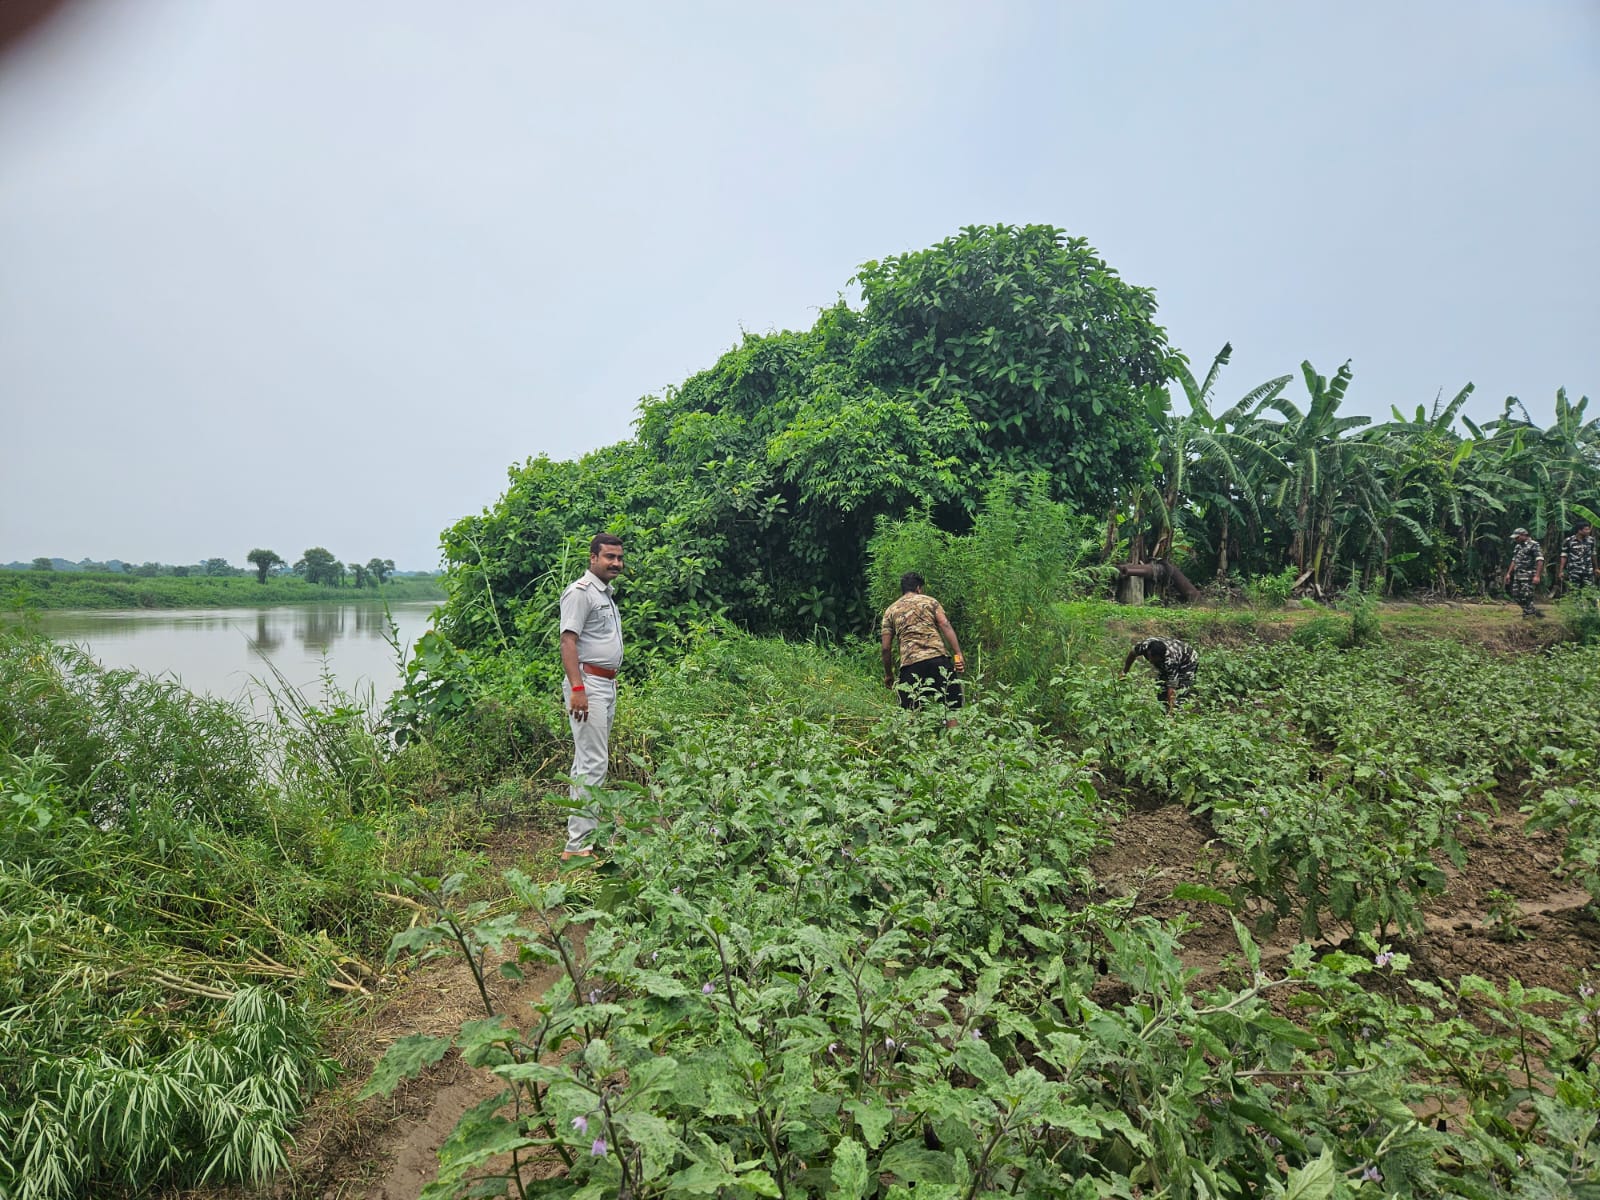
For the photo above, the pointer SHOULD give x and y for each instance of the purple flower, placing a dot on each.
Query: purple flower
(888, 1043)
(581, 1124)
(654, 954)
(1383, 960)
(676, 890)
(708, 987)
(594, 996)
(976, 1036)
(599, 1148)
(1263, 811)
(1372, 1175)
(1585, 990)
(833, 1047)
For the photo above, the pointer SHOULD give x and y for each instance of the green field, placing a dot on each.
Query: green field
(835, 949)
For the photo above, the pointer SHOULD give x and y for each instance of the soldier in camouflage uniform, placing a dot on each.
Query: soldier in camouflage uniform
(1577, 567)
(1525, 571)
(1175, 663)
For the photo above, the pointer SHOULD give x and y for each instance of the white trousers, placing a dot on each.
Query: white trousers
(591, 754)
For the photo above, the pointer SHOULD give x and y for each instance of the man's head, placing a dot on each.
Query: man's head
(605, 557)
(1583, 529)
(1519, 534)
(910, 582)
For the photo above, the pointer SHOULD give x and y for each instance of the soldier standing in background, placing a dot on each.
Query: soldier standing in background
(1525, 571)
(1577, 566)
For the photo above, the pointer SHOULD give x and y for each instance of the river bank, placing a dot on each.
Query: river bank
(96, 590)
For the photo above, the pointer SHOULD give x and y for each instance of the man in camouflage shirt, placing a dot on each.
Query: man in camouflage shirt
(1577, 566)
(1175, 663)
(930, 655)
(1525, 571)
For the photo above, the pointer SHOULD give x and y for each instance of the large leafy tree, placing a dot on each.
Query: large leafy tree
(1058, 361)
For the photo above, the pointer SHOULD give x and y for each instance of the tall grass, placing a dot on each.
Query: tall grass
(1003, 582)
(184, 891)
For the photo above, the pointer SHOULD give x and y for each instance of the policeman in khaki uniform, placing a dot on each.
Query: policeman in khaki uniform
(591, 656)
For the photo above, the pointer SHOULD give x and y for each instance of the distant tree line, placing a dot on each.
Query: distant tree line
(319, 565)
(316, 565)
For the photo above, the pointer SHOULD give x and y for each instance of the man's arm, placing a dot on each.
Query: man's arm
(579, 708)
(948, 632)
(1561, 563)
(1538, 567)
(1128, 662)
(887, 646)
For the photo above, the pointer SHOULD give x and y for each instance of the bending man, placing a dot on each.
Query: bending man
(1175, 663)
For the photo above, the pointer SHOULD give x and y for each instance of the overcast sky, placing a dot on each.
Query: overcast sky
(310, 272)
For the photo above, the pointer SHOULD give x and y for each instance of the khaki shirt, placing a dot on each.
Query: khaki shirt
(914, 620)
(589, 609)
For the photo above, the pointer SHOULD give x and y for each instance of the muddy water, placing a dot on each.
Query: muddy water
(234, 653)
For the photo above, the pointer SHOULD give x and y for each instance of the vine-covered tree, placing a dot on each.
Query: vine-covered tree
(754, 487)
(380, 569)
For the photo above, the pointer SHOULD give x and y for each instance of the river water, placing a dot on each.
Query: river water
(226, 652)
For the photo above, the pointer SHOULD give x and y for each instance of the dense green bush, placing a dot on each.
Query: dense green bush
(751, 490)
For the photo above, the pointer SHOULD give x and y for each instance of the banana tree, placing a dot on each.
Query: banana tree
(1205, 464)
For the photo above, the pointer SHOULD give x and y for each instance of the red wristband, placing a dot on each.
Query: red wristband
(578, 687)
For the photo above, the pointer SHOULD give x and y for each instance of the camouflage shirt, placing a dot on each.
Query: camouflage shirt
(1526, 556)
(1579, 553)
(914, 620)
(1175, 662)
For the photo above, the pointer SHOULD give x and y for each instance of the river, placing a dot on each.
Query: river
(226, 652)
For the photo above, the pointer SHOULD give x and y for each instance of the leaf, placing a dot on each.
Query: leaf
(850, 1178)
(915, 1165)
(874, 1117)
(1314, 1181)
(406, 1059)
(1200, 894)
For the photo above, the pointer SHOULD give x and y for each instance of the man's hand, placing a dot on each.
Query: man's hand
(888, 680)
(578, 706)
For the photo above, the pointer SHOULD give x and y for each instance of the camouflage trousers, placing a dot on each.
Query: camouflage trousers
(1522, 589)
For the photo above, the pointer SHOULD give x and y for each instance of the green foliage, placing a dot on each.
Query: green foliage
(833, 954)
(1271, 591)
(318, 565)
(752, 490)
(1003, 582)
(181, 890)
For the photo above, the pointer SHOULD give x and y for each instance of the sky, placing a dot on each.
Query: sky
(318, 272)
